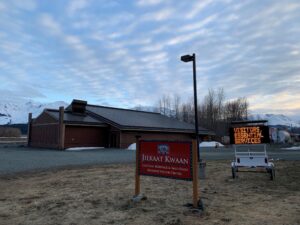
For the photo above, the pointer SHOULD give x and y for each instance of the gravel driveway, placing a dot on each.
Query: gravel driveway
(14, 159)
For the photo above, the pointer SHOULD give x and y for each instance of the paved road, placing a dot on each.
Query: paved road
(27, 159)
(228, 154)
(15, 159)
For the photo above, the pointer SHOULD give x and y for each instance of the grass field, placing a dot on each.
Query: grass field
(102, 195)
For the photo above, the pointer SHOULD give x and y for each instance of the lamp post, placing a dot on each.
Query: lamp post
(189, 58)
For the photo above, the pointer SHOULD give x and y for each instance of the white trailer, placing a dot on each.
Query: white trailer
(253, 158)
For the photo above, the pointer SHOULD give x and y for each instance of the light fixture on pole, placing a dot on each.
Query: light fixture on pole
(189, 58)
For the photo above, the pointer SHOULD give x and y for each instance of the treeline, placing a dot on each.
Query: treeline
(214, 113)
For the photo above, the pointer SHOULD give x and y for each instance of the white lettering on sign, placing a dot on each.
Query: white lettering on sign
(165, 159)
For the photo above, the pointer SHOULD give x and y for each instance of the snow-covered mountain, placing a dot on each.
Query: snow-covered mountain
(17, 112)
(146, 108)
(275, 119)
(167, 112)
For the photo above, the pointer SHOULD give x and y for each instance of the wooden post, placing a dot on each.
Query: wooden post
(137, 175)
(195, 175)
(61, 139)
(29, 129)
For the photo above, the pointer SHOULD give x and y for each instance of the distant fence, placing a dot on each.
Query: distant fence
(13, 142)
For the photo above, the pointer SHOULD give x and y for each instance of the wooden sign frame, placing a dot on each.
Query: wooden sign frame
(194, 163)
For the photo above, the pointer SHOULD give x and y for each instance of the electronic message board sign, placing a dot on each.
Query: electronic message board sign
(166, 159)
(249, 135)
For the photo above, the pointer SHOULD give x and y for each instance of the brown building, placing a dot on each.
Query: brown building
(84, 125)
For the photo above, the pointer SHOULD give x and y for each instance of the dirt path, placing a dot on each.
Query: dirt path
(101, 195)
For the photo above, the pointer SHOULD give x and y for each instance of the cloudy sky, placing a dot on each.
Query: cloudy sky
(127, 53)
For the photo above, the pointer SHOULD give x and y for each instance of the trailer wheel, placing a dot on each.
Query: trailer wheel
(200, 205)
(272, 173)
(233, 171)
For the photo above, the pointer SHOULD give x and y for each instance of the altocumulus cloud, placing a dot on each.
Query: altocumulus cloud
(127, 53)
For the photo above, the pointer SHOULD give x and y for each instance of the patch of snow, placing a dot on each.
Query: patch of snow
(202, 144)
(132, 147)
(22, 137)
(6, 142)
(292, 148)
(82, 148)
(210, 144)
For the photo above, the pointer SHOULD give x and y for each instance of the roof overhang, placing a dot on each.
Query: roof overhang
(155, 129)
(70, 123)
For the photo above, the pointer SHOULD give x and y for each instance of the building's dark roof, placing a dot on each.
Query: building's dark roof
(71, 118)
(249, 121)
(126, 119)
(139, 120)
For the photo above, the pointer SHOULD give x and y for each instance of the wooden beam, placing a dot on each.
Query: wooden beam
(29, 129)
(137, 175)
(61, 133)
(195, 175)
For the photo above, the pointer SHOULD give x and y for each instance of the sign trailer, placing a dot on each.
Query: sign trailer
(245, 137)
(167, 159)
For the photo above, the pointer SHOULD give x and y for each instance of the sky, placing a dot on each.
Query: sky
(127, 53)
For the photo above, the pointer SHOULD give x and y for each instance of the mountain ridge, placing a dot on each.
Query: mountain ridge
(17, 113)
(275, 119)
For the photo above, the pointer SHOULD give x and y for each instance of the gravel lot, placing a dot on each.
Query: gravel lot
(14, 159)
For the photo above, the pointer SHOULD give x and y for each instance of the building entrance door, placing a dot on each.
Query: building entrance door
(114, 140)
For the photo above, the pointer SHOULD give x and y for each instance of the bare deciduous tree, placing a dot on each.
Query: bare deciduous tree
(214, 113)
(236, 109)
(165, 105)
(176, 105)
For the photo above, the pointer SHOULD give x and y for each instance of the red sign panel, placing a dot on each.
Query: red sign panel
(166, 159)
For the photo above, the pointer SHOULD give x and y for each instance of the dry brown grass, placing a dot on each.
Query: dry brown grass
(101, 195)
